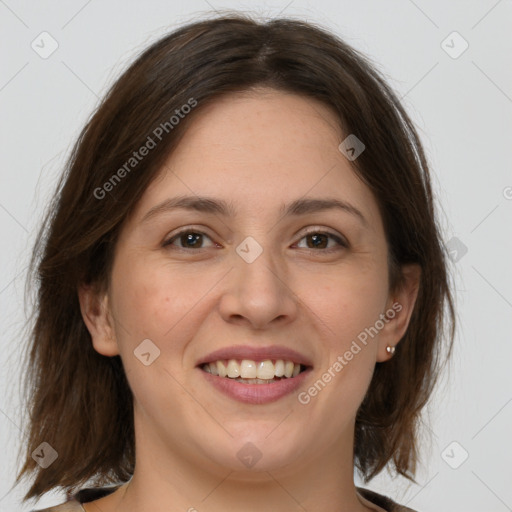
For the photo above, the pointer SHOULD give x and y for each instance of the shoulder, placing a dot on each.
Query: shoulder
(383, 501)
(70, 506)
(74, 504)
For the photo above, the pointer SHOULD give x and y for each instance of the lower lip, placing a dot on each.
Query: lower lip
(256, 393)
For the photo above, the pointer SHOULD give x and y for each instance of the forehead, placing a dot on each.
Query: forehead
(278, 118)
(259, 150)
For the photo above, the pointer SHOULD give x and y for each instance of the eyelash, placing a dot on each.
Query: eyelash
(341, 242)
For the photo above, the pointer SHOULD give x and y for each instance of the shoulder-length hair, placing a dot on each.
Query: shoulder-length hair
(79, 401)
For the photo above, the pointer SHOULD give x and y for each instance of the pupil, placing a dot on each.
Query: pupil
(191, 236)
(316, 239)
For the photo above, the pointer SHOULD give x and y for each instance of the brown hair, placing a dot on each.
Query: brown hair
(78, 400)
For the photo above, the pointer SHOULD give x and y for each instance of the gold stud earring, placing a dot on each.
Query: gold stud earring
(390, 349)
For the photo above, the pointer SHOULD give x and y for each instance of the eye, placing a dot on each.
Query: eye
(319, 239)
(190, 239)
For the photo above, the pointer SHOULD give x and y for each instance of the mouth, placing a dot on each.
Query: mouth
(250, 371)
(255, 374)
(255, 390)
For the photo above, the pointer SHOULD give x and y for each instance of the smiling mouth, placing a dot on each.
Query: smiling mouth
(254, 372)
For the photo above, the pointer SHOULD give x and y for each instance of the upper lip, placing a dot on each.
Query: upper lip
(272, 352)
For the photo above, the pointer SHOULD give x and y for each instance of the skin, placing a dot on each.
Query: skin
(257, 150)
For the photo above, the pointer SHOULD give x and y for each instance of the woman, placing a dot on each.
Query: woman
(241, 283)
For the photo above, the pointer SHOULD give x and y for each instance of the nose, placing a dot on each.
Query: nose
(258, 292)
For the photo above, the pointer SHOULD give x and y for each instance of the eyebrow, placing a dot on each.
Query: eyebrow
(210, 205)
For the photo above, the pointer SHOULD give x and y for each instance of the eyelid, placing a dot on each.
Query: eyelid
(324, 231)
(187, 229)
(340, 239)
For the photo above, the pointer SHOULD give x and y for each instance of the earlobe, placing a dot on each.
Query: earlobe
(94, 307)
(399, 312)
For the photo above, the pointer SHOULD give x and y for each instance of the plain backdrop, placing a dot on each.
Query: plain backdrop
(450, 64)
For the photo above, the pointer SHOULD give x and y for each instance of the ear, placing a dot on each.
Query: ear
(399, 310)
(96, 315)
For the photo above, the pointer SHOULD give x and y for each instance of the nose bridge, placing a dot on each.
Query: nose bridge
(258, 263)
(258, 288)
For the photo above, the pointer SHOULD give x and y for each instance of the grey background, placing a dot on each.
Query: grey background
(463, 109)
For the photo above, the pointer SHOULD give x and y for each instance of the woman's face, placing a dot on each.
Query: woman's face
(260, 275)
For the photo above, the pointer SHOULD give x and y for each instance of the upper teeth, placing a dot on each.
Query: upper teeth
(248, 369)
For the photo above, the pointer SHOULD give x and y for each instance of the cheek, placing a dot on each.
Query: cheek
(356, 301)
(349, 301)
(152, 302)
(346, 307)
